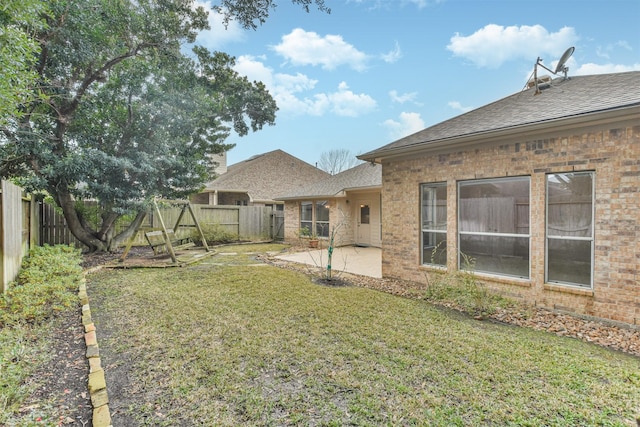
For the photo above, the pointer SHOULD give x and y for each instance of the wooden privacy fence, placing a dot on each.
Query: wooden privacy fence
(17, 232)
(247, 222)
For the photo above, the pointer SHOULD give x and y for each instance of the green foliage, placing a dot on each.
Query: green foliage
(19, 19)
(215, 234)
(252, 13)
(126, 114)
(21, 351)
(47, 283)
(304, 232)
(463, 289)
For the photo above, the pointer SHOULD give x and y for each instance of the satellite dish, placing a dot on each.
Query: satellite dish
(560, 67)
(563, 59)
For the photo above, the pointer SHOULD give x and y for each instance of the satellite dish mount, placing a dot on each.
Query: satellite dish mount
(561, 67)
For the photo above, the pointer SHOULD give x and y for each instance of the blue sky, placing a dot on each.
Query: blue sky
(374, 71)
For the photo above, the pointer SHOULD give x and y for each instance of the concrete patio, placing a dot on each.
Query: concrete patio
(365, 261)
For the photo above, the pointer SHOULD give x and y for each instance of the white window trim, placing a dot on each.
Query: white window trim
(473, 233)
(429, 230)
(314, 221)
(573, 238)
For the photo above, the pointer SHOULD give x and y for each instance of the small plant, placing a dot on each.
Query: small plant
(463, 289)
(47, 283)
(214, 234)
(304, 232)
(307, 234)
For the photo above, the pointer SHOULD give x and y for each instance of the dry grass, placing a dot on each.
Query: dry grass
(229, 343)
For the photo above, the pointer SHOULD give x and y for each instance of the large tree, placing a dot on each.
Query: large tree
(19, 20)
(124, 115)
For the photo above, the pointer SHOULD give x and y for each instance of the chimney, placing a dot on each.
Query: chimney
(221, 160)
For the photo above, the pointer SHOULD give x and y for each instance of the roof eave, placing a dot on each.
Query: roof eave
(499, 135)
(364, 188)
(313, 196)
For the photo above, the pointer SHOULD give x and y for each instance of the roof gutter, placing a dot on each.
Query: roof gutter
(500, 135)
(340, 193)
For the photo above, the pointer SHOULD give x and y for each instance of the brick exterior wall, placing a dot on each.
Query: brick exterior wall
(340, 216)
(291, 222)
(612, 153)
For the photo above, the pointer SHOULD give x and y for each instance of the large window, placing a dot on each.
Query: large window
(314, 217)
(433, 203)
(570, 228)
(493, 217)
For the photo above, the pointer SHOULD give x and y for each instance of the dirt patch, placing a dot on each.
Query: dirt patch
(335, 283)
(102, 258)
(63, 380)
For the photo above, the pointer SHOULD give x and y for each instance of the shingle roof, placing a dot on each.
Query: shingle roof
(267, 175)
(563, 99)
(363, 176)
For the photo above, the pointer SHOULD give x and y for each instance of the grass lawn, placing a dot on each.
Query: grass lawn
(229, 343)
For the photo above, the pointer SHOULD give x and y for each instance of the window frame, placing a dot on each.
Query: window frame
(321, 224)
(305, 223)
(462, 233)
(435, 231)
(590, 238)
(314, 223)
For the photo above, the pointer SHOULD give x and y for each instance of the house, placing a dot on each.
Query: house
(540, 190)
(347, 203)
(258, 180)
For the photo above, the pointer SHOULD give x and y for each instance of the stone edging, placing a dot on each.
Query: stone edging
(97, 384)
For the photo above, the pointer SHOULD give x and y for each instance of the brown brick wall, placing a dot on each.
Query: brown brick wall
(340, 216)
(614, 155)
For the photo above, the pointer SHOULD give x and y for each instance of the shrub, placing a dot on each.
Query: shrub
(47, 283)
(463, 289)
(215, 234)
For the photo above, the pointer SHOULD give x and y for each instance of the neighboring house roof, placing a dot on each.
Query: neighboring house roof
(265, 176)
(579, 99)
(362, 177)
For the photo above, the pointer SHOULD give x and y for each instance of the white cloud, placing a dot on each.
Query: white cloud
(218, 35)
(255, 70)
(405, 97)
(346, 103)
(493, 44)
(386, 3)
(590, 68)
(458, 106)
(302, 47)
(422, 3)
(393, 55)
(294, 83)
(603, 52)
(408, 123)
(291, 92)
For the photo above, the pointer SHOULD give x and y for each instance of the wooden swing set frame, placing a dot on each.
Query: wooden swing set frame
(167, 238)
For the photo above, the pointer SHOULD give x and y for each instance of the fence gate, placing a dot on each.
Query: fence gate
(278, 225)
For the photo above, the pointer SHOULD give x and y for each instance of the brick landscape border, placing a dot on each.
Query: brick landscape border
(96, 383)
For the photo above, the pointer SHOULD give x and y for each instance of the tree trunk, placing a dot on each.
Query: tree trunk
(124, 235)
(68, 206)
